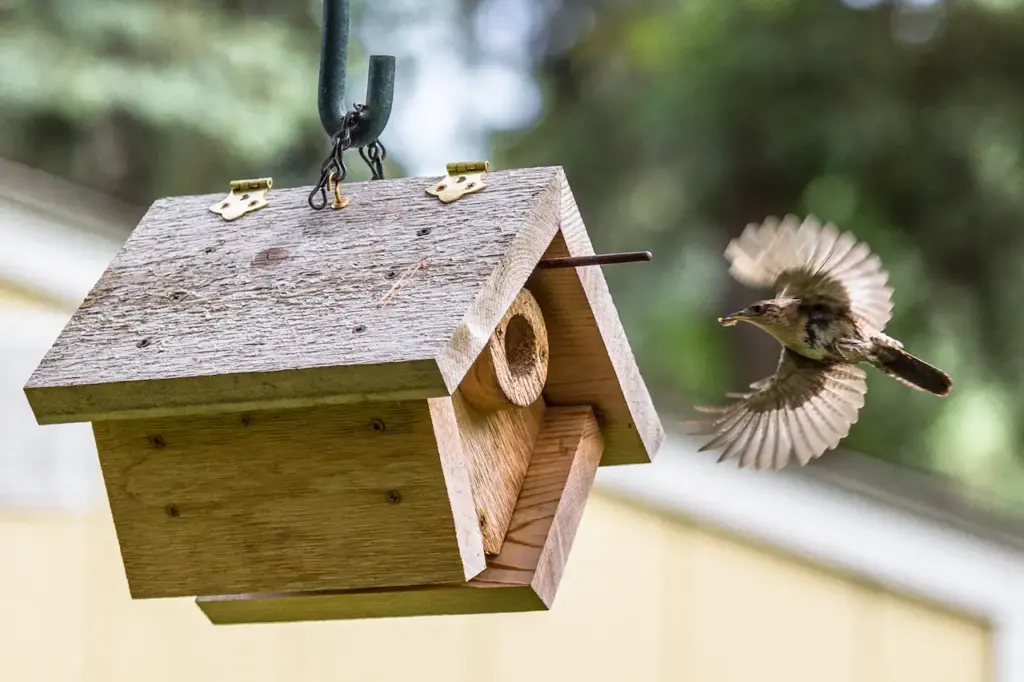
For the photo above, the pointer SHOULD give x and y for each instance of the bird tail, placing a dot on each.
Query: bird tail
(910, 370)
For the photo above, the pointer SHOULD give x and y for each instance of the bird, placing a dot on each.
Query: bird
(832, 302)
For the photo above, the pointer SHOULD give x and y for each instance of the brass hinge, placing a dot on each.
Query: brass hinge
(245, 196)
(464, 177)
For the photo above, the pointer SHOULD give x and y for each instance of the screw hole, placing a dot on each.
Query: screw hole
(391, 275)
(157, 441)
(224, 205)
(462, 178)
(177, 296)
(244, 197)
(423, 232)
(246, 420)
(173, 511)
(441, 188)
(359, 329)
(377, 425)
(471, 185)
(209, 249)
(143, 343)
(253, 202)
(394, 497)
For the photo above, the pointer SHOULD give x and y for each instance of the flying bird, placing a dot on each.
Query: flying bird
(832, 302)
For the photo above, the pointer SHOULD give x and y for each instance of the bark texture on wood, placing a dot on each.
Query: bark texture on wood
(289, 306)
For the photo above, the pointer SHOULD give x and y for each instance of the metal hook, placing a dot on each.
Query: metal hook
(380, 84)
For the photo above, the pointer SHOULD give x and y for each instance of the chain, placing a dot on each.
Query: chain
(333, 170)
(374, 155)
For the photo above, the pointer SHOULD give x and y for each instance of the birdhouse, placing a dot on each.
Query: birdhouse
(393, 408)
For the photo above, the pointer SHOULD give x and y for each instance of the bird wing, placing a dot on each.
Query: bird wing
(813, 263)
(804, 409)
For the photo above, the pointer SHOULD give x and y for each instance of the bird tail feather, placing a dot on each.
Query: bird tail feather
(910, 370)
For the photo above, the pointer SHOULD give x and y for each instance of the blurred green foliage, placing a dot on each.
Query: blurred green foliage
(678, 122)
(147, 98)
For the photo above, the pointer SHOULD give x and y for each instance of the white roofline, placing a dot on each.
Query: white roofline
(56, 239)
(66, 202)
(820, 522)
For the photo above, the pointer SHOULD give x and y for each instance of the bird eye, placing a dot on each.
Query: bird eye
(757, 309)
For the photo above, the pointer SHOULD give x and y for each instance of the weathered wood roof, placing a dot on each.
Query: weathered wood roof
(391, 297)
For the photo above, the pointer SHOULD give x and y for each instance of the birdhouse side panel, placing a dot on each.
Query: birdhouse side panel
(333, 497)
(591, 360)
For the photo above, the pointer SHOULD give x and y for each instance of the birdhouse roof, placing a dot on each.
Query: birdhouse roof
(389, 298)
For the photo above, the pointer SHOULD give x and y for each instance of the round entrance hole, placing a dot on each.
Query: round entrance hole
(512, 368)
(520, 346)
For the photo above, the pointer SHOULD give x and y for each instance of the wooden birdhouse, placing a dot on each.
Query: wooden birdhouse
(388, 409)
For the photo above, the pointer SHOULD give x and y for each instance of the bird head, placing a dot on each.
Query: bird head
(769, 315)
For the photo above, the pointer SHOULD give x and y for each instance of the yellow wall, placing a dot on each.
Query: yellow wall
(644, 598)
(12, 295)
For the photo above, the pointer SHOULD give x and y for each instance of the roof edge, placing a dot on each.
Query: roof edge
(899, 548)
(926, 495)
(218, 393)
(58, 238)
(65, 201)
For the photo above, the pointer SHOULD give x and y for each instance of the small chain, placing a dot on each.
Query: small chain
(374, 155)
(333, 170)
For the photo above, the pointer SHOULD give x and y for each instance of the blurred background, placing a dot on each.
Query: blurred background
(677, 121)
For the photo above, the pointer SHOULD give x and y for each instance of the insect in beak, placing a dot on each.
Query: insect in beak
(730, 320)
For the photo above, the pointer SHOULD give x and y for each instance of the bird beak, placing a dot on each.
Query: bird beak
(730, 320)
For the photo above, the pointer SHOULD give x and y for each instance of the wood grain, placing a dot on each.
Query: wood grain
(513, 366)
(504, 284)
(498, 447)
(318, 498)
(280, 308)
(591, 361)
(523, 577)
(550, 506)
(458, 469)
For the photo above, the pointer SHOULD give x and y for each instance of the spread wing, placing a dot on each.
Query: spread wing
(813, 262)
(804, 409)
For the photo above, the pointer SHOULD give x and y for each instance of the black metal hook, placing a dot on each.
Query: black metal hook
(380, 85)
